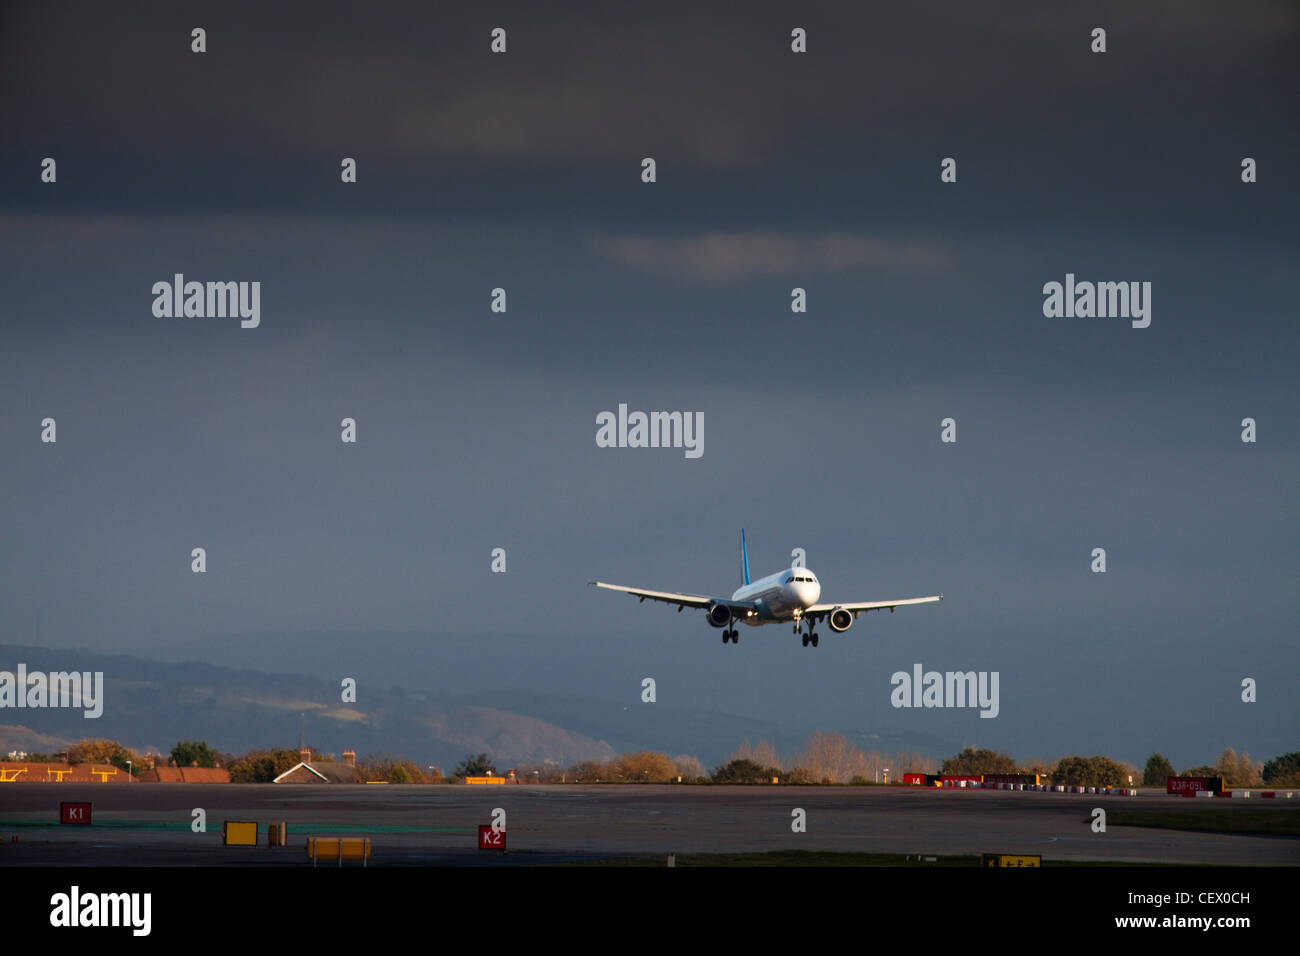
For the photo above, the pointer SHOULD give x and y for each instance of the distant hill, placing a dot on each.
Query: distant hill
(455, 670)
(17, 737)
(149, 705)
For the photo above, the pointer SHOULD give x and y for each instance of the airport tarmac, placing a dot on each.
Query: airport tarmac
(150, 824)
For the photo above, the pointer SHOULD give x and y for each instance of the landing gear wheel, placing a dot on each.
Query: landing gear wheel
(805, 640)
(814, 640)
(726, 636)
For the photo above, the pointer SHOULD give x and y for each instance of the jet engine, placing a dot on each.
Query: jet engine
(840, 620)
(719, 615)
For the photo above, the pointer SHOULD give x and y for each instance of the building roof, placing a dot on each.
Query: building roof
(320, 771)
(185, 775)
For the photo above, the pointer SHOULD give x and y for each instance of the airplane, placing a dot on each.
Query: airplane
(789, 595)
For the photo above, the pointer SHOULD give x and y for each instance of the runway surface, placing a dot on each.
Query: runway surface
(150, 824)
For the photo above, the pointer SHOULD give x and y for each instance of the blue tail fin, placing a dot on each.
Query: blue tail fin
(744, 557)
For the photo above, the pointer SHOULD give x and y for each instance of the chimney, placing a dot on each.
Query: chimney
(350, 758)
(305, 755)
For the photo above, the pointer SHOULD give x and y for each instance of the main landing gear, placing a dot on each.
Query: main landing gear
(730, 635)
(810, 637)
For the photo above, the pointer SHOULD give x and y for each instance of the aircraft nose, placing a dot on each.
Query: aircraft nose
(807, 592)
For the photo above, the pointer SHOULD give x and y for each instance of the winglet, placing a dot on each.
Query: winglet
(744, 557)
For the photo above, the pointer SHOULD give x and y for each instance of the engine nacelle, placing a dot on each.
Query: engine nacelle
(840, 620)
(719, 615)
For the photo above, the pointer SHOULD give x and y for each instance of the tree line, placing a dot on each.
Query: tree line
(826, 758)
(1237, 770)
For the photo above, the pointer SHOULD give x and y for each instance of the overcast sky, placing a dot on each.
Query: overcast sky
(775, 170)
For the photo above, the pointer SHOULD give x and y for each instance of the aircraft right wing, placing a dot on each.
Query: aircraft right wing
(681, 600)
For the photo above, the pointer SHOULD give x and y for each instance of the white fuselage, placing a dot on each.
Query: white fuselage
(780, 597)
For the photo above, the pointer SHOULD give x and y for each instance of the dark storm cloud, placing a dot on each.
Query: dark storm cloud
(742, 129)
(709, 88)
(477, 429)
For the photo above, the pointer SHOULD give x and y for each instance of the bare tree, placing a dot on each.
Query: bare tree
(831, 757)
(743, 752)
(689, 767)
(1239, 770)
(643, 767)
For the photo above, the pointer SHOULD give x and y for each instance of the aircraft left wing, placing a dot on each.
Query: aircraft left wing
(673, 597)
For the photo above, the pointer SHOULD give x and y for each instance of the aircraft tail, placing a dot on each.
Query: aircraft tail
(744, 557)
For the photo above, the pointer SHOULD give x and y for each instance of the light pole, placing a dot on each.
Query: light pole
(128, 771)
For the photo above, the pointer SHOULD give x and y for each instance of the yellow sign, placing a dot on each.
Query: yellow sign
(236, 833)
(1007, 859)
(338, 848)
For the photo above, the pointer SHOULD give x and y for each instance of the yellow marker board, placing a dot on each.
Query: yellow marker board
(339, 849)
(1007, 859)
(238, 833)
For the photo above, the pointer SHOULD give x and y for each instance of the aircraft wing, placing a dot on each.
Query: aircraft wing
(673, 597)
(870, 605)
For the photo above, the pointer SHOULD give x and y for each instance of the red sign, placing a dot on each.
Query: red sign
(74, 813)
(491, 838)
(1187, 785)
